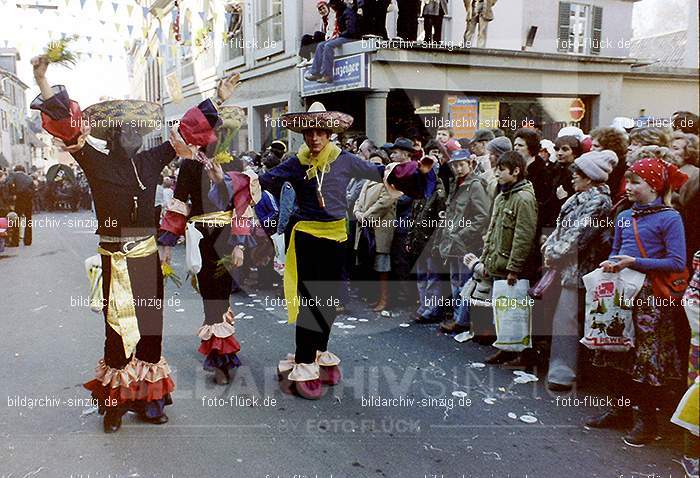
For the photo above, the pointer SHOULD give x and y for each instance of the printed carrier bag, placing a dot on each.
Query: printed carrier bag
(609, 303)
(512, 315)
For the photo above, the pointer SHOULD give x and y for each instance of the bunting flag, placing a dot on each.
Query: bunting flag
(99, 4)
(82, 4)
(202, 15)
(145, 32)
(159, 32)
(153, 49)
(115, 5)
(129, 10)
(117, 27)
(131, 29)
(145, 11)
(67, 2)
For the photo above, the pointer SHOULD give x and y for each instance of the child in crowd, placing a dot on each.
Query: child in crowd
(511, 234)
(649, 238)
(466, 219)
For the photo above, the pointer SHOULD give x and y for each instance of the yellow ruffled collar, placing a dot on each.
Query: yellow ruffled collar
(321, 162)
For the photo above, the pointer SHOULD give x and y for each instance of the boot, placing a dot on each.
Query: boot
(112, 421)
(524, 360)
(500, 357)
(616, 417)
(221, 376)
(452, 327)
(383, 292)
(644, 430)
(159, 420)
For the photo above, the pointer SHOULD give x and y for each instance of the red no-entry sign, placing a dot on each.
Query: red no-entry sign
(577, 109)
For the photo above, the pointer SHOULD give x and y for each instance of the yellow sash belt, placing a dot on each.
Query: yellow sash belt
(334, 231)
(218, 218)
(121, 313)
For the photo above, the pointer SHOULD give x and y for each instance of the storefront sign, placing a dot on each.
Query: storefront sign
(488, 114)
(349, 73)
(463, 115)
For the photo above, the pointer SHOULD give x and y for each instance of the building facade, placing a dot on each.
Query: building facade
(545, 64)
(13, 111)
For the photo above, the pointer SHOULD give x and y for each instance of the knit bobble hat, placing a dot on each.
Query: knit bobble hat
(597, 165)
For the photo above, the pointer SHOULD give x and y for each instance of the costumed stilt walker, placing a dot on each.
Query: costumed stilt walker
(214, 233)
(316, 237)
(133, 374)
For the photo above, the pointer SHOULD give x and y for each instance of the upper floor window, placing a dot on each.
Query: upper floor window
(580, 28)
(233, 38)
(268, 25)
(186, 61)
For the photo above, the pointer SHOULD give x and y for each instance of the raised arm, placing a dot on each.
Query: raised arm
(60, 115)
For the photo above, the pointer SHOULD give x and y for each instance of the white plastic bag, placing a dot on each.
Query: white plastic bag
(193, 257)
(609, 303)
(93, 269)
(280, 254)
(512, 315)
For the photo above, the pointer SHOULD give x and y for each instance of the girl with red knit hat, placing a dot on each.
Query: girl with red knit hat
(649, 238)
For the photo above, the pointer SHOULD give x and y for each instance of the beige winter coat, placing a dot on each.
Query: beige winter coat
(376, 205)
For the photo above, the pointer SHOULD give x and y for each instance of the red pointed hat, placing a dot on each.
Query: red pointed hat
(196, 129)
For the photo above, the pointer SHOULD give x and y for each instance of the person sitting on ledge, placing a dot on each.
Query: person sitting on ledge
(324, 58)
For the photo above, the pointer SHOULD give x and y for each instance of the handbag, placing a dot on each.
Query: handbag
(547, 279)
(664, 284)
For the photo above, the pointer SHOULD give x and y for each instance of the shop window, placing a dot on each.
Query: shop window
(268, 25)
(271, 128)
(204, 37)
(580, 28)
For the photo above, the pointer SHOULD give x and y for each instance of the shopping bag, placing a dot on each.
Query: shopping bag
(537, 291)
(193, 257)
(93, 269)
(280, 255)
(686, 414)
(609, 303)
(512, 315)
(476, 292)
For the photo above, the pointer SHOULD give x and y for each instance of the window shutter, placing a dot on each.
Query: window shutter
(596, 30)
(564, 27)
